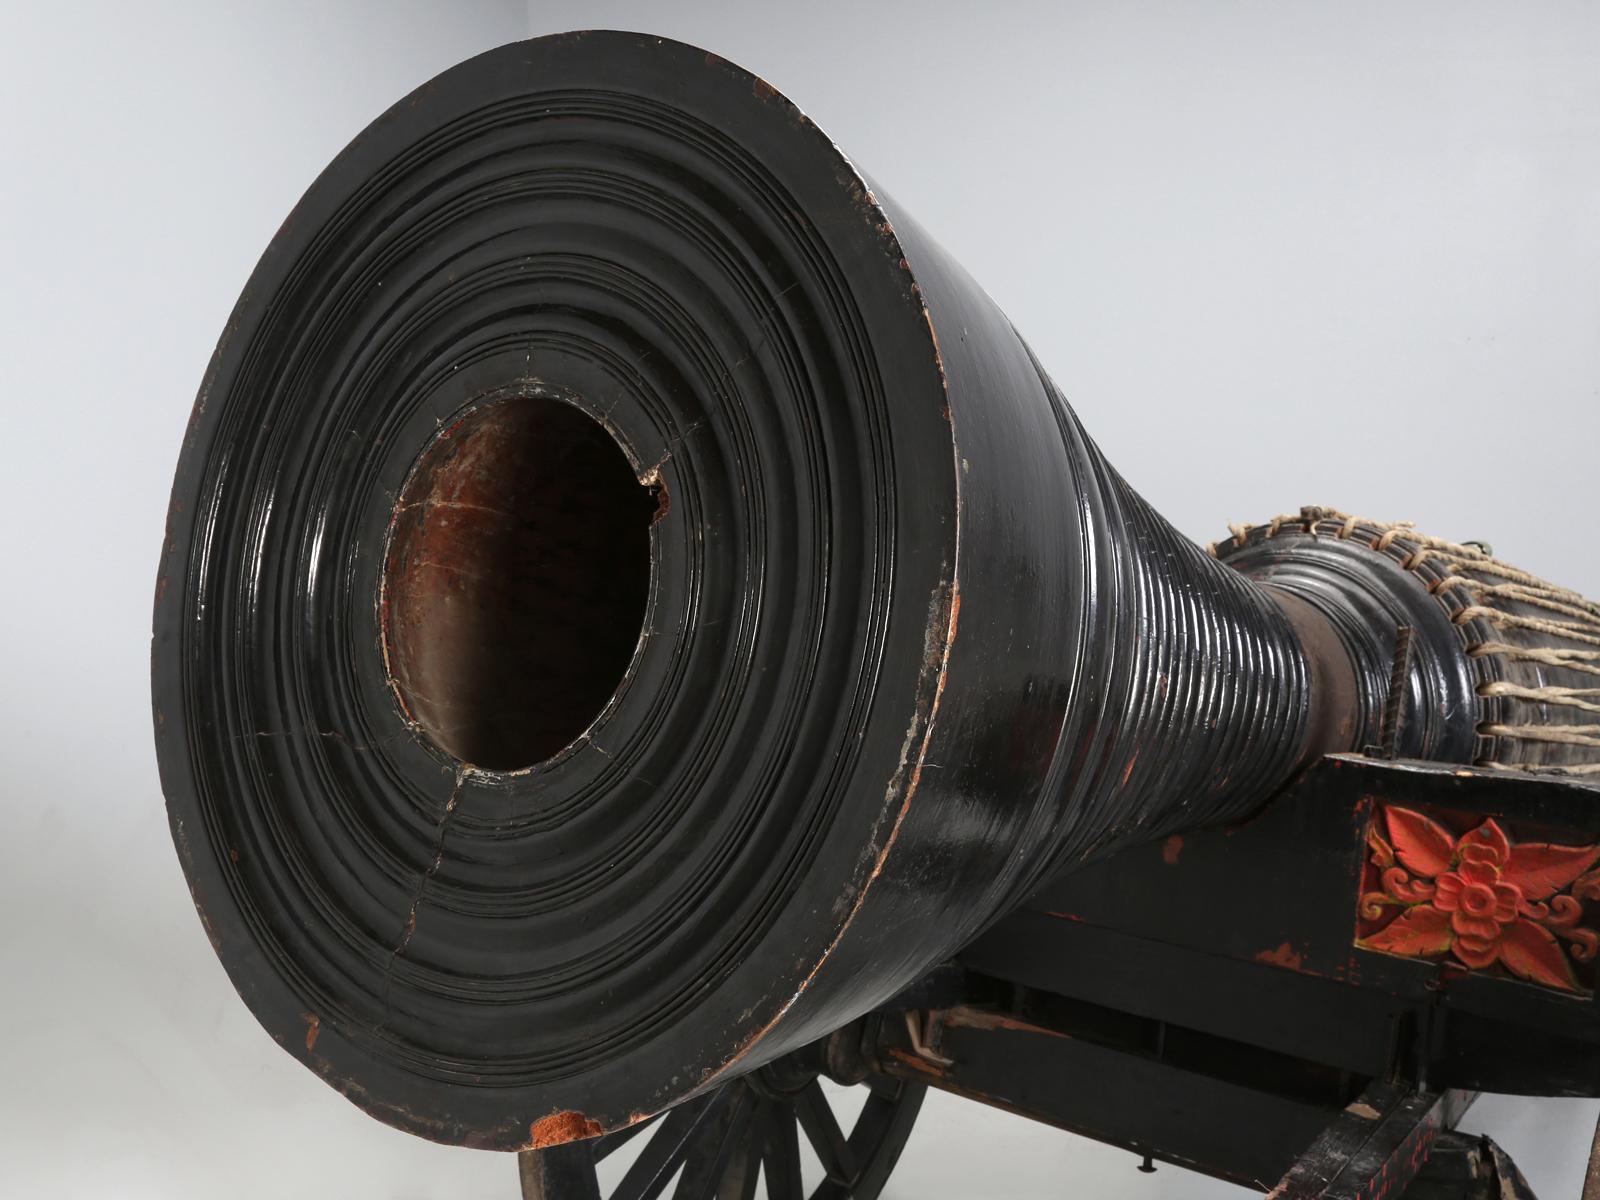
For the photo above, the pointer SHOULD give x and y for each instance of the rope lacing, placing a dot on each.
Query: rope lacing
(1574, 618)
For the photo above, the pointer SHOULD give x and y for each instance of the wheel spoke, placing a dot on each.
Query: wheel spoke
(732, 1142)
(884, 1087)
(781, 1154)
(744, 1169)
(714, 1146)
(611, 1141)
(823, 1131)
(664, 1153)
(559, 1173)
(878, 1137)
(737, 1140)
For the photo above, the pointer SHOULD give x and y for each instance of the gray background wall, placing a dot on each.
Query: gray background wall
(1275, 253)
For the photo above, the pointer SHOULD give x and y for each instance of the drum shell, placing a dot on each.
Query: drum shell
(946, 650)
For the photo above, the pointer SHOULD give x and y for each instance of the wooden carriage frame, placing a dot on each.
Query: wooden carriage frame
(1207, 1001)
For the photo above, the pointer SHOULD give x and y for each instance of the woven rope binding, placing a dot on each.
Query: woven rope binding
(1516, 624)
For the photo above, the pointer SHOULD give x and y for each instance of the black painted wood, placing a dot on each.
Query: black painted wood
(898, 655)
(863, 664)
(1468, 1168)
(1374, 1149)
(564, 1172)
(740, 1140)
(1259, 922)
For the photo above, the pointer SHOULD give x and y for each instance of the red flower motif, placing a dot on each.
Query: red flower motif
(1478, 898)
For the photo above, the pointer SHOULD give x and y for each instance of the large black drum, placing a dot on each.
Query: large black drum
(632, 604)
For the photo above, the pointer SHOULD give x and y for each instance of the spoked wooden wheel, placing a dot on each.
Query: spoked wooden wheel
(740, 1141)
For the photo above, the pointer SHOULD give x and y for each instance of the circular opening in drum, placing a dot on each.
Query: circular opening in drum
(515, 581)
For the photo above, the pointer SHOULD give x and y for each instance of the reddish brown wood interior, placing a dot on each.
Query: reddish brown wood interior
(515, 581)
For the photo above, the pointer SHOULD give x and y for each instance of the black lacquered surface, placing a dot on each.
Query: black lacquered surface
(910, 645)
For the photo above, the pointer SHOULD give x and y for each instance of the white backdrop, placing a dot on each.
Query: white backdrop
(1275, 253)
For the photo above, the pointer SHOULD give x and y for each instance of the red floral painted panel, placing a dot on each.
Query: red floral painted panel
(1457, 888)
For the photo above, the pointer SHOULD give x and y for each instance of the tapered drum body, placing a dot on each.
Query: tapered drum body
(632, 604)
